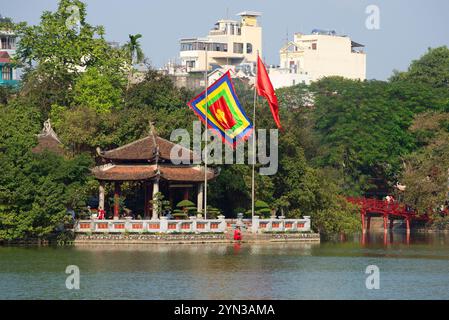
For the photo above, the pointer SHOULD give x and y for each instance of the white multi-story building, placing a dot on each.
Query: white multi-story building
(230, 43)
(8, 74)
(319, 54)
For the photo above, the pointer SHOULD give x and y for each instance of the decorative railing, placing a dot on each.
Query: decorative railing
(151, 226)
(193, 225)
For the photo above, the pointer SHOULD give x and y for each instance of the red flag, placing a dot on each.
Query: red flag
(220, 110)
(265, 89)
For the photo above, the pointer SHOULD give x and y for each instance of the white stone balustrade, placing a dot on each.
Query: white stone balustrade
(151, 226)
(273, 224)
(192, 225)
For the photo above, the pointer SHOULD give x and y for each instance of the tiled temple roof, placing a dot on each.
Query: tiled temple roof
(142, 149)
(135, 172)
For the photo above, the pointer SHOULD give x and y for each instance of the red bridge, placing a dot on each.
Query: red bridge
(389, 210)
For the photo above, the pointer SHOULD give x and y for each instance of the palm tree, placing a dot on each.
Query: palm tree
(134, 52)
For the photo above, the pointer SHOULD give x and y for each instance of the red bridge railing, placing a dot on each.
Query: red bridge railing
(389, 210)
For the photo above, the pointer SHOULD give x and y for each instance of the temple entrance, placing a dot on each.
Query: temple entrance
(141, 169)
(179, 192)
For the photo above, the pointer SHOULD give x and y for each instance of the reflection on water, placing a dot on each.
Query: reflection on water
(413, 269)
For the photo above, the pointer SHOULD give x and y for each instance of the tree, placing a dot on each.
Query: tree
(61, 48)
(362, 127)
(135, 54)
(96, 91)
(431, 69)
(36, 189)
(134, 49)
(426, 172)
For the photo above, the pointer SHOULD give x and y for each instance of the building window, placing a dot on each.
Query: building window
(6, 73)
(238, 47)
(7, 43)
(223, 47)
(190, 64)
(314, 46)
(201, 46)
(249, 48)
(186, 46)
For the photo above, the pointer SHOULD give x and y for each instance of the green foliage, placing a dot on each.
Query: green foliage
(363, 128)
(261, 208)
(187, 206)
(440, 223)
(185, 203)
(212, 212)
(339, 134)
(157, 91)
(6, 23)
(36, 189)
(160, 203)
(134, 50)
(7, 93)
(426, 173)
(96, 91)
(431, 69)
(56, 53)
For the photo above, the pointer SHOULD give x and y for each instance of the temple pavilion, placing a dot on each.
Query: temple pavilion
(147, 162)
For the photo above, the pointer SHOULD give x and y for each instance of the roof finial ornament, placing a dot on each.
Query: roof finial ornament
(156, 146)
(47, 130)
(47, 126)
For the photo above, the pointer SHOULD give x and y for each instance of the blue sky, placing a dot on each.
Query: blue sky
(407, 27)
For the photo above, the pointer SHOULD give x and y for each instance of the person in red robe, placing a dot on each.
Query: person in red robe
(101, 214)
(237, 234)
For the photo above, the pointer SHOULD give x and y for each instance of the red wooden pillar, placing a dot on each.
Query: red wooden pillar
(391, 224)
(186, 194)
(363, 221)
(368, 223)
(116, 199)
(407, 220)
(385, 223)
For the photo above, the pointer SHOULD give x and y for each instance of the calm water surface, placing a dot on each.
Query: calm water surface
(419, 270)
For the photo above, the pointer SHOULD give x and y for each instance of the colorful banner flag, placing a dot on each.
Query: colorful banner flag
(225, 115)
(265, 89)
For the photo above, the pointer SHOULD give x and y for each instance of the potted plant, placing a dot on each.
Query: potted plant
(160, 204)
(183, 209)
(261, 208)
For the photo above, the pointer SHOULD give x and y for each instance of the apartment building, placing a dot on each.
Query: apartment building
(229, 43)
(310, 57)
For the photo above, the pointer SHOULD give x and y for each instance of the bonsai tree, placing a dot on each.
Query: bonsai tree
(184, 208)
(282, 205)
(261, 208)
(213, 212)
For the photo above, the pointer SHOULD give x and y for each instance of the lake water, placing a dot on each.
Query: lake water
(418, 270)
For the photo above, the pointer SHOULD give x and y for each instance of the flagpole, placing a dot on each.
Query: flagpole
(205, 146)
(254, 146)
